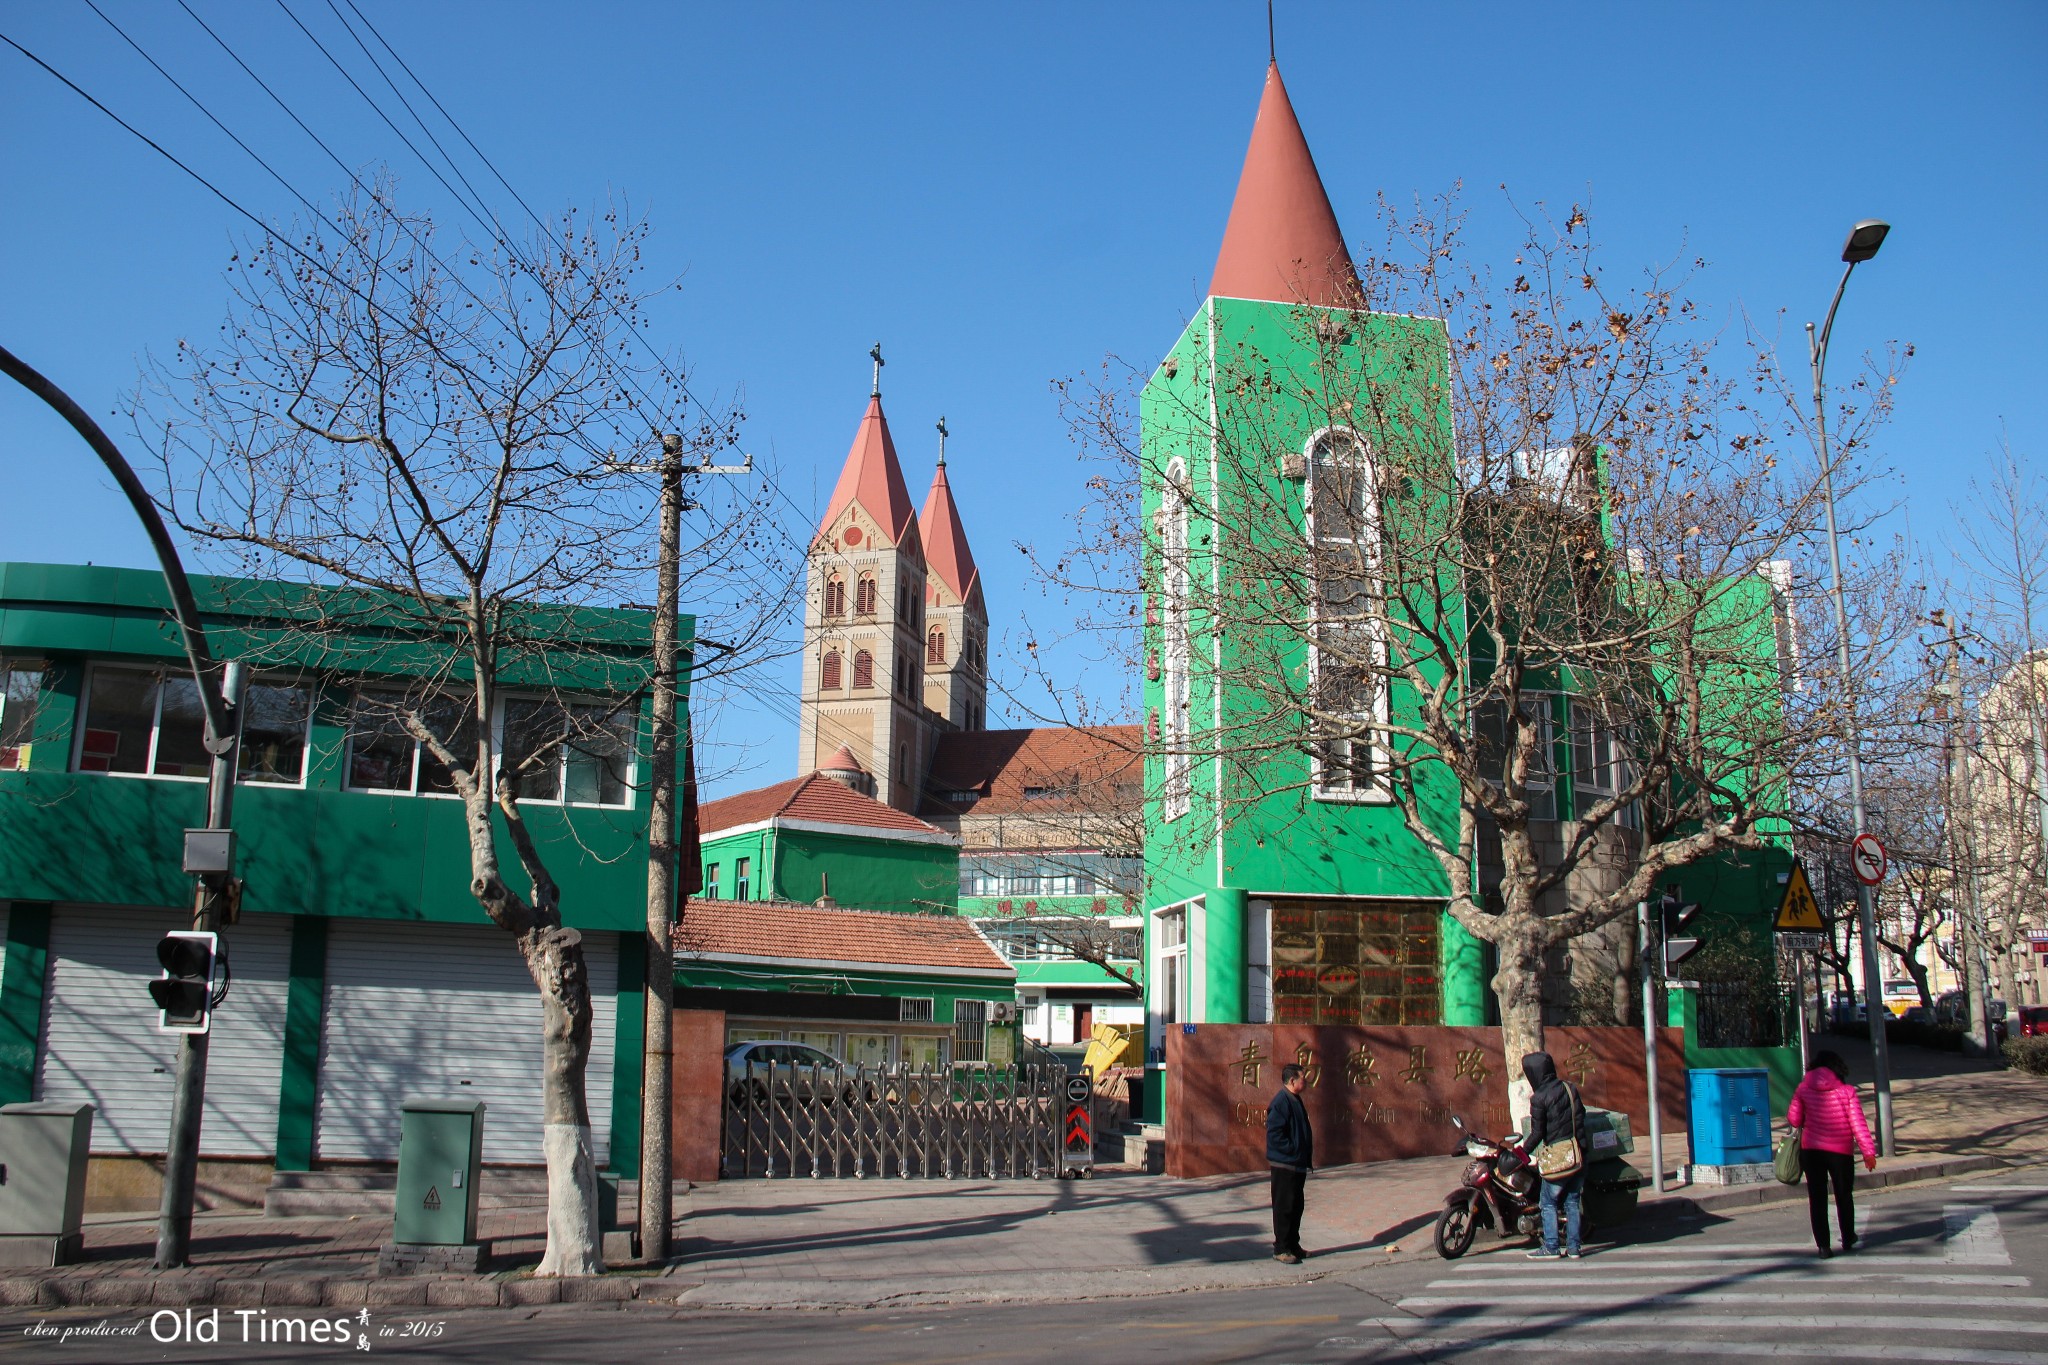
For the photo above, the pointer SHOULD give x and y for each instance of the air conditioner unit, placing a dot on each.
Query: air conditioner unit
(1003, 1012)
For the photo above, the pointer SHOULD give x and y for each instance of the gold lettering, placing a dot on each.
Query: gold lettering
(1358, 1069)
(1471, 1065)
(1580, 1063)
(1248, 1063)
(1418, 1067)
(1311, 1069)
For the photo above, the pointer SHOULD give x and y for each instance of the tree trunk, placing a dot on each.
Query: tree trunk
(1518, 984)
(555, 958)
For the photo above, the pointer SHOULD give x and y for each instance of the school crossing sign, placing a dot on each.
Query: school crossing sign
(1799, 924)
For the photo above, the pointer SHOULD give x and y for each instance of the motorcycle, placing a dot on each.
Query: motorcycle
(1500, 1189)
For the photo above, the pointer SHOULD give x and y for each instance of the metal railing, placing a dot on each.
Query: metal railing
(1744, 1014)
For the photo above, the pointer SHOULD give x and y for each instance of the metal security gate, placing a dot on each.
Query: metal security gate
(944, 1123)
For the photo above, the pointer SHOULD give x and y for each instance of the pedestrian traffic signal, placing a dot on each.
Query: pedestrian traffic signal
(184, 993)
(1678, 946)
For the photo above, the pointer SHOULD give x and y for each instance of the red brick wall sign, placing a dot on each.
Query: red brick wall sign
(1375, 1094)
(697, 1093)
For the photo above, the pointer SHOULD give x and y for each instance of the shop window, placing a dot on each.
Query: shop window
(150, 721)
(275, 717)
(383, 756)
(1343, 963)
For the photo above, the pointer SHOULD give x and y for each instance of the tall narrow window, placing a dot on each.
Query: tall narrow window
(863, 669)
(835, 596)
(1170, 938)
(935, 646)
(1347, 647)
(828, 671)
(742, 878)
(1179, 763)
(864, 596)
(21, 683)
(711, 881)
(1495, 742)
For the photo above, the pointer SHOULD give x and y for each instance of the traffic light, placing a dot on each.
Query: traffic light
(185, 991)
(1678, 946)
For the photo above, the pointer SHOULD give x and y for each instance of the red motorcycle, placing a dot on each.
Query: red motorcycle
(1500, 1189)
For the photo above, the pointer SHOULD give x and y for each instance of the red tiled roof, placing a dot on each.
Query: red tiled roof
(1062, 768)
(778, 929)
(1282, 242)
(807, 798)
(873, 478)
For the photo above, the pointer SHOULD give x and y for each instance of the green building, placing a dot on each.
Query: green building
(363, 971)
(1282, 882)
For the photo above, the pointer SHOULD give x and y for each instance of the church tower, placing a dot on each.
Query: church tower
(864, 622)
(956, 625)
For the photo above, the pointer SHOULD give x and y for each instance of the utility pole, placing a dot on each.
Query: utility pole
(219, 697)
(664, 905)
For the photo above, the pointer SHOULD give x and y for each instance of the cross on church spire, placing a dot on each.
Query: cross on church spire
(876, 355)
(943, 434)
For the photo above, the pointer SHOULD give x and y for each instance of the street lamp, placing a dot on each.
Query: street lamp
(1864, 240)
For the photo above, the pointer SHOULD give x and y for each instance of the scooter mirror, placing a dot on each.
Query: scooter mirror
(1457, 1122)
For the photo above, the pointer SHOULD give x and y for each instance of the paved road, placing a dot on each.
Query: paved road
(1957, 1273)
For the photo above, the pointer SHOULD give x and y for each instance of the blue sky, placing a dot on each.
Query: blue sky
(1005, 194)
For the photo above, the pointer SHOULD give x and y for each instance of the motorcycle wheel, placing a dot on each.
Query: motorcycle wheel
(1455, 1227)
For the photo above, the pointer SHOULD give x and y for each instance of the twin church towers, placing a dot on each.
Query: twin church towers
(895, 629)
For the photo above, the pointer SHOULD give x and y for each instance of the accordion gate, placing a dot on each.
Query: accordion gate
(857, 1121)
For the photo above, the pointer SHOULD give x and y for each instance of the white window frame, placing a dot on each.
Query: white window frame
(1177, 691)
(1376, 790)
(1542, 776)
(1604, 747)
(164, 674)
(1172, 961)
(498, 706)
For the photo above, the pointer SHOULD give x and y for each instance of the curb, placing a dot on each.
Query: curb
(1751, 1196)
(188, 1289)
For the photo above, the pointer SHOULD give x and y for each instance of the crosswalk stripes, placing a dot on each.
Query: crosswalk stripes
(1768, 1300)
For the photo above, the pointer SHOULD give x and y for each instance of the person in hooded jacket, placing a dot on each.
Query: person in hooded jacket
(1829, 1116)
(1556, 1112)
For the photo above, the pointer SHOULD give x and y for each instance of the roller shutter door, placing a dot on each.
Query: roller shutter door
(446, 1012)
(101, 1044)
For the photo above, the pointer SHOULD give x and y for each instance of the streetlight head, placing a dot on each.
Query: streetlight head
(1864, 240)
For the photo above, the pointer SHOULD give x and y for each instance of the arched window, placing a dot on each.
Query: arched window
(864, 596)
(1347, 646)
(935, 646)
(1177, 696)
(828, 671)
(835, 596)
(863, 669)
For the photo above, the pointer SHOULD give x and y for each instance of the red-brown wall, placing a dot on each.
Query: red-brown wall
(1369, 1101)
(697, 1097)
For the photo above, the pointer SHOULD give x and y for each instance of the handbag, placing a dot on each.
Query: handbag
(1785, 1165)
(1562, 1159)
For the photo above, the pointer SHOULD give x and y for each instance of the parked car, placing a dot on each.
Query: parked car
(1918, 1014)
(753, 1071)
(2033, 1021)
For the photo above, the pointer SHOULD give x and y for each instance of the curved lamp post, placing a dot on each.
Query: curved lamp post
(1864, 240)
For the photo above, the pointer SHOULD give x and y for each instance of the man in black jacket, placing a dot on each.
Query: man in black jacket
(1556, 1113)
(1290, 1151)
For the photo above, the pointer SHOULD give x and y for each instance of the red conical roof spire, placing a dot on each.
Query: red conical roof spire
(945, 539)
(1282, 242)
(873, 478)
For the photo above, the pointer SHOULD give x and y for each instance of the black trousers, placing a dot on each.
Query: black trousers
(1289, 1195)
(1820, 1168)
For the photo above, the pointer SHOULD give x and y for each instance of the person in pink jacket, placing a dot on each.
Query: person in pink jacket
(1829, 1117)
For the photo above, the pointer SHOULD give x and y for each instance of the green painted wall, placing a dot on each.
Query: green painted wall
(316, 850)
(1260, 367)
(21, 998)
(865, 874)
(299, 1087)
(628, 1066)
(800, 982)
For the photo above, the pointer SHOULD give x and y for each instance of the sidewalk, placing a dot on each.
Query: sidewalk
(863, 1243)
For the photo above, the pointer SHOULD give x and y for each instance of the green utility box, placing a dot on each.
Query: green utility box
(43, 1149)
(1607, 1134)
(440, 1154)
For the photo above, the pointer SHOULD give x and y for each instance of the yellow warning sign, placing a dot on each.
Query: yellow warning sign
(1798, 912)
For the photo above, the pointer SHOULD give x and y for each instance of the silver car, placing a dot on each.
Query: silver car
(753, 1071)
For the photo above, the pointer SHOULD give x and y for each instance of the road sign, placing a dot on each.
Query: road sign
(1866, 856)
(1077, 1147)
(1803, 943)
(1798, 912)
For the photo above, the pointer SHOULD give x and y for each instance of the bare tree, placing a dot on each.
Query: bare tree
(430, 434)
(1548, 512)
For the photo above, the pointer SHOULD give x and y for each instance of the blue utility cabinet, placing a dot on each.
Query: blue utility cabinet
(1731, 1115)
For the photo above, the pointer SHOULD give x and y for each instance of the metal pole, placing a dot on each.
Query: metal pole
(1873, 986)
(188, 1099)
(657, 1142)
(1650, 1046)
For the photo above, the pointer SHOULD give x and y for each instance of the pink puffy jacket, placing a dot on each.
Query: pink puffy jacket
(1828, 1115)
